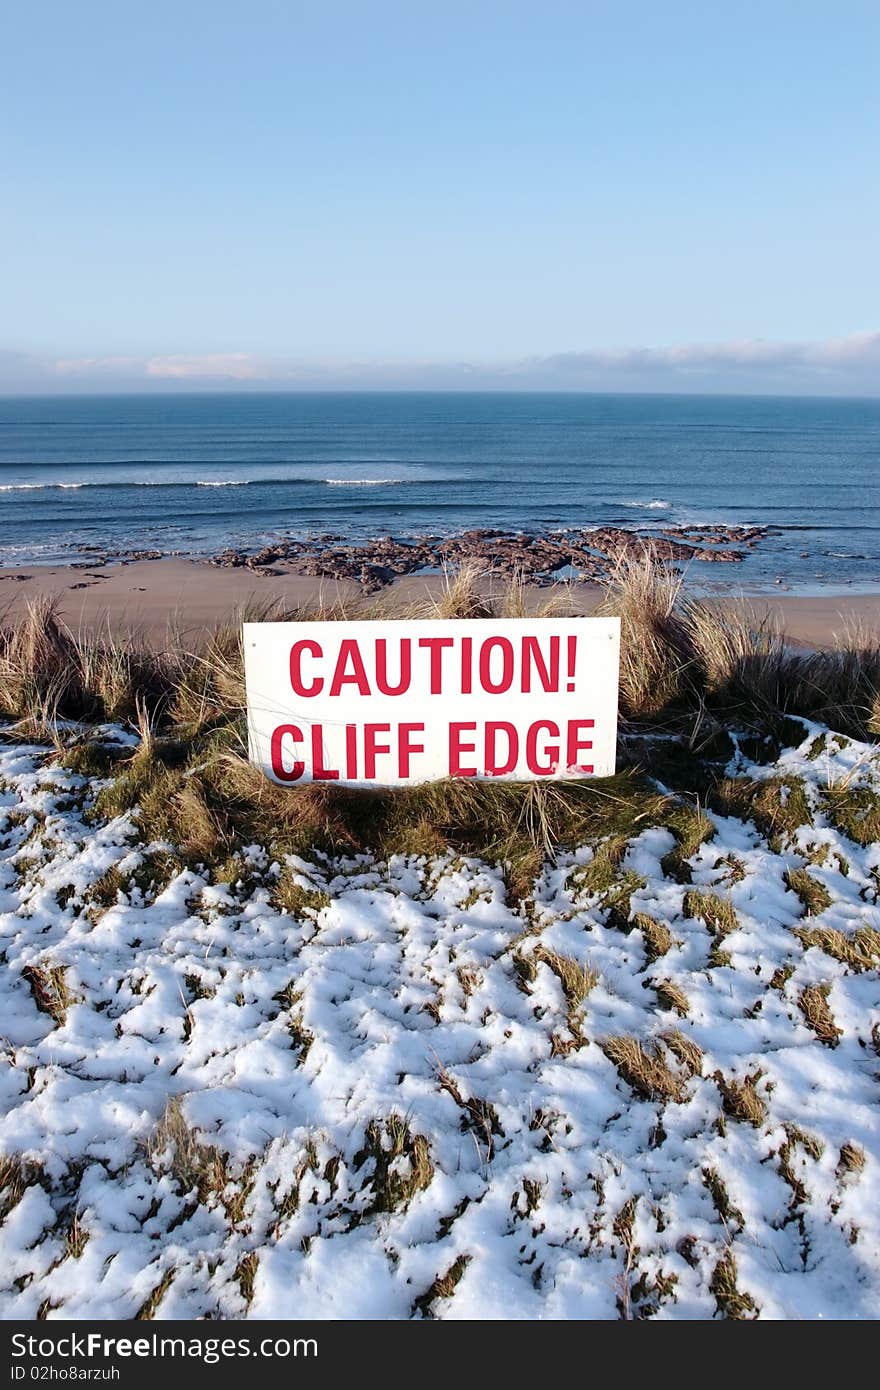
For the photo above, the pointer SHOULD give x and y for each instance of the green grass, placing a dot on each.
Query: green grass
(617, 901)
(855, 811)
(207, 801)
(691, 827)
(778, 806)
(718, 913)
(813, 894)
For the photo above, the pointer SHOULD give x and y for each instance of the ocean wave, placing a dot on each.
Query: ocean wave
(204, 482)
(362, 482)
(657, 504)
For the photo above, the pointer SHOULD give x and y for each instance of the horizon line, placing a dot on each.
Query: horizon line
(165, 389)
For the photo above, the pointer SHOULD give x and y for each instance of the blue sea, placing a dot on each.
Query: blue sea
(195, 473)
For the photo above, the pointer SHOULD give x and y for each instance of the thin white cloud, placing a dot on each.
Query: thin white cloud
(225, 366)
(97, 366)
(838, 366)
(860, 351)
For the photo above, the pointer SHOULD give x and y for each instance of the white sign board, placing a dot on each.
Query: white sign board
(389, 703)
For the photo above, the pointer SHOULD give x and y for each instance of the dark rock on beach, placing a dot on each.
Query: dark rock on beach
(537, 557)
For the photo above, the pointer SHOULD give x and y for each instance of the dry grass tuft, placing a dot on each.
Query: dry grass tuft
(740, 1099)
(743, 661)
(851, 1160)
(813, 1004)
(688, 1053)
(444, 1286)
(402, 1164)
(48, 987)
(149, 775)
(617, 901)
(174, 1147)
(38, 665)
(731, 1301)
(49, 671)
(601, 872)
(656, 650)
(124, 679)
(778, 806)
(515, 602)
(855, 811)
(16, 1176)
(647, 1072)
(813, 894)
(478, 1115)
(291, 897)
(461, 593)
(719, 916)
(106, 891)
(796, 1138)
(717, 1188)
(150, 1305)
(691, 827)
(843, 685)
(678, 652)
(576, 980)
(288, 999)
(718, 913)
(76, 1238)
(734, 868)
(286, 1195)
(656, 935)
(245, 1274)
(209, 682)
(672, 996)
(861, 951)
(781, 976)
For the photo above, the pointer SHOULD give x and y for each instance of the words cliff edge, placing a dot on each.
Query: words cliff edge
(389, 703)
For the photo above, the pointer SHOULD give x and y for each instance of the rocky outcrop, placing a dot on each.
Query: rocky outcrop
(538, 557)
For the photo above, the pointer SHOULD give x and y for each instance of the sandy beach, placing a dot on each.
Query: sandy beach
(148, 595)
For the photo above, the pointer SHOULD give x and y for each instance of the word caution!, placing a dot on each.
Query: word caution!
(387, 703)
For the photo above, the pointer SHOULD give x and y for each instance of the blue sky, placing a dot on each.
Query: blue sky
(411, 193)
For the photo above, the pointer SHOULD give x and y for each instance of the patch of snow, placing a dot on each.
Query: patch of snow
(555, 1190)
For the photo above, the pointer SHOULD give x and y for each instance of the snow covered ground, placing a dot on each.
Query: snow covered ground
(413, 1097)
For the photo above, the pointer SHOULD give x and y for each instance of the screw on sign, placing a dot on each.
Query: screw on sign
(389, 703)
